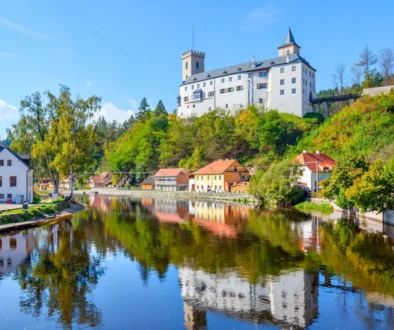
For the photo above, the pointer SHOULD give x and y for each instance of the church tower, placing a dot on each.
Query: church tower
(290, 46)
(192, 63)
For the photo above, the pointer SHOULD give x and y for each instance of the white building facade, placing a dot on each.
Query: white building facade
(286, 83)
(16, 177)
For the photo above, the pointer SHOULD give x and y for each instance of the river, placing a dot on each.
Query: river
(164, 264)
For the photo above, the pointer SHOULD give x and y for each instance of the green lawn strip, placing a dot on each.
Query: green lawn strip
(38, 210)
(307, 206)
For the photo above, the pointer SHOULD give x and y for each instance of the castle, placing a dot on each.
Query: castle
(286, 83)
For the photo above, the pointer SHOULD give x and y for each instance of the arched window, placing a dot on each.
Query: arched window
(186, 65)
(197, 65)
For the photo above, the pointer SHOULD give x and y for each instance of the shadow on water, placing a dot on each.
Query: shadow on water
(267, 267)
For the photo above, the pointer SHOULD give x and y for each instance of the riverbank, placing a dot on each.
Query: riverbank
(66, 213)
(180, 195)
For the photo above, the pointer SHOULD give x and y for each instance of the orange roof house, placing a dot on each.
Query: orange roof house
(220, 175)
(316, 167)
(171, 179)
(102, 180)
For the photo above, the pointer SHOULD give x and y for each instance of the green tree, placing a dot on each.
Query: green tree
(143, 110)
(160, 109)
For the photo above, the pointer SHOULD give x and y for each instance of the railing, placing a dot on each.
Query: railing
(335, 98)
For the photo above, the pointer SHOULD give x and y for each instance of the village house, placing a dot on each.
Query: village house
(315, 168)
(171, 179)
(100, 181)
(148, 183)
(220, 175)
(45, 184)
(16, 177)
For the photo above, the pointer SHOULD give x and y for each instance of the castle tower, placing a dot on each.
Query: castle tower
(289, 46)
(192, 63)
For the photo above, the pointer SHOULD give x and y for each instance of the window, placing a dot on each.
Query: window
(282, 92)
(9, 162)
(198, 187)
(262, 74)
(239, 77)
(9, 195)
(198, 85)
(182, 112)
(220, 177)
(262, 86)
(187, 65)
(208, 177)
(260, 100)
(209, 108)
(282, 70)
(13, 243)
(222, 80)
(227, 90)
(293, 91)
(282, 81)
(1, 196)
(188, 107)
(211, 93)
(197, 65)
(12, 181)
(1, 162)
(194, 105)
(306, 82)
(214, 177)
(1, 181)
(293, 68)
(240, 88)
(249, 75)
(186, 98)
(196, 95)
(293, 80)
(204, 84)
(230, 79)
(226, 106)
(185, 88)
(211, 82)
(310, 74)
(192, 86)
(310, 85)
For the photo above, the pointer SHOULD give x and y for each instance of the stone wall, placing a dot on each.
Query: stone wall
(378, 90)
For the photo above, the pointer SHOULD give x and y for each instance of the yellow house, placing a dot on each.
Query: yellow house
(220, 175)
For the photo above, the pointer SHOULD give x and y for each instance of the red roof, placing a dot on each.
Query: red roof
(218, 167)
(170, 172)
(324, 162)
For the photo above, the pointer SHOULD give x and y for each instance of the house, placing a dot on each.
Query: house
(100, 181)
(171, 179)
(16, 176)
(220, 175)
(240, 187)
(65, 183)
(192, 182)
(46, 184)
(286, 83)
(315, 167)
(148, 183)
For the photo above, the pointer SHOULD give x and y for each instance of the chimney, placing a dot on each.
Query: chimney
(317, 152)
(253, 62)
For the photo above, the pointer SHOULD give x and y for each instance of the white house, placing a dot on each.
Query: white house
(286, 83)
(315, 167)
(16, 176)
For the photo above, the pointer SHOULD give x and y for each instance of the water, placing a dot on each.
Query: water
(165, 264)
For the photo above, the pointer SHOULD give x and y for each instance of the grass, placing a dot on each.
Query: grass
(324, 208)
(39, 210)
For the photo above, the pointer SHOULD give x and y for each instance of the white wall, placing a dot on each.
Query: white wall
(24, 180)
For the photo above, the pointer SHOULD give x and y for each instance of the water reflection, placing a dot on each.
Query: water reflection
(277, 268)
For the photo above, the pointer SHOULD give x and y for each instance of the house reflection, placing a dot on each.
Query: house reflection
(290, 299)
(14, 251)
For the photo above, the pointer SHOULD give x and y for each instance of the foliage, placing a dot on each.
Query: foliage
(278, 183)
(307, 206)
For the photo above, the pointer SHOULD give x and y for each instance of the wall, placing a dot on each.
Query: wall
(24, 181)
(211, 180)
(378, 90)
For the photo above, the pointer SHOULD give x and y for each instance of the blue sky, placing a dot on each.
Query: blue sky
(125, 50)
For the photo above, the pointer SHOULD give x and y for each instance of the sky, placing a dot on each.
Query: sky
(124, 50)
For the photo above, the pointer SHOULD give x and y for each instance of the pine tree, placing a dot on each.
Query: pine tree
(160, 109)
(143, 110)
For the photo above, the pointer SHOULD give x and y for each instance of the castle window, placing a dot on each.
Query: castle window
(260, 100)
(197, 95)
(197, 65)
(185, 88)
(192, 86)
(293, 91)
(186, 98)
(198, 85)
(230, 79)
(187, 65)
(282, 92)
(282, 81)
(194, 105)
(262, 86)
(262, 74)
(293, 80)
(293, 68)
(203, 84)
(239, 77)
(210, 94)
(240, 88)
(226, 105)
(282, 70)
(211, 82)
(209, 109)
(222, 80)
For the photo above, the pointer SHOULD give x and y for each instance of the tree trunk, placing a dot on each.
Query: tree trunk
(71, 179)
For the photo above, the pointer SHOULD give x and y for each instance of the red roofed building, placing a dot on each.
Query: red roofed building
(316, 167)
(171, 179)
(220, 175)
(100, 181)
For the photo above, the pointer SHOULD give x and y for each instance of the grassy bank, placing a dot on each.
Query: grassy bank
(36, 211)
(324, 208)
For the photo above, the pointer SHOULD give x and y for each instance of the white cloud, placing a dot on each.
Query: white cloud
(134, 104)
(259, 18)
(111, 112)
(8, 54)
(21, 29)
(9, 115)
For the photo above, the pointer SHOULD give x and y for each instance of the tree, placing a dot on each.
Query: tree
(143, 110)
(357, 74)
(160, 109)
(278, 184)
(372, 79)
(374, 190)
(367, 60)
(339, 76)
(386, 60)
